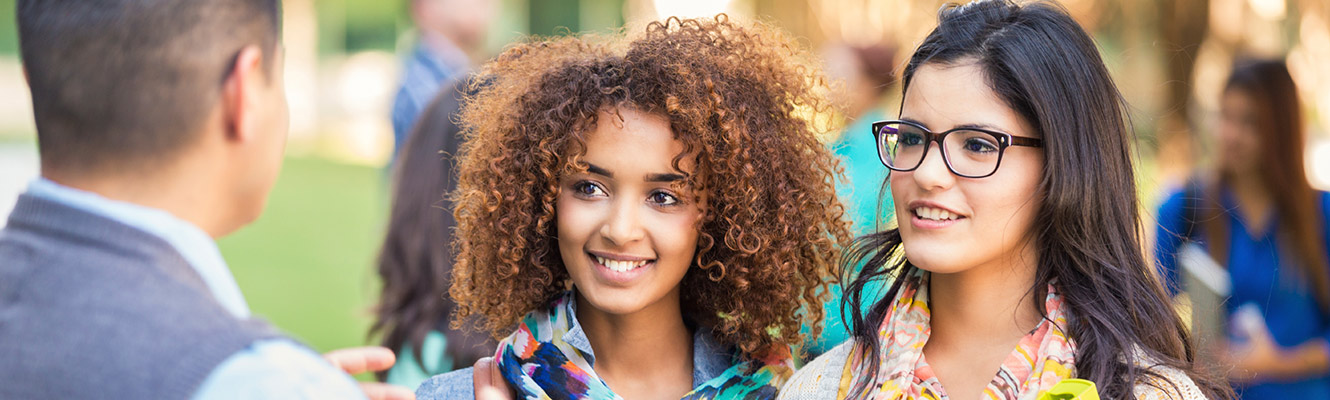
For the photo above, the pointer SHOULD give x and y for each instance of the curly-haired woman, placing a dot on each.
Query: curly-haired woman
(654, 214)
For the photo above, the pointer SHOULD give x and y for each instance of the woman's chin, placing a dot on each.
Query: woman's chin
(936, 269)
(614, 301)
(935, 260)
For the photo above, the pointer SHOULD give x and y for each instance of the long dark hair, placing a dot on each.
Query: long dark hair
(416, 260)
(1088, 228)
(1278, 115)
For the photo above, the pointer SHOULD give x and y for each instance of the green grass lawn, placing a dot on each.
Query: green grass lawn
(306, 265)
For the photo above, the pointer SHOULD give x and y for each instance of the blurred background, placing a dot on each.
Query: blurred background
(307, 264)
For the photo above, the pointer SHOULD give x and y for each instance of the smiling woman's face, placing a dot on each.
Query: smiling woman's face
(951, 224)
(626, 235)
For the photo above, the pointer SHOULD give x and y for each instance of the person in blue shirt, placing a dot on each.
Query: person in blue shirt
(447, 30)
(1257, 215)
(161, 125)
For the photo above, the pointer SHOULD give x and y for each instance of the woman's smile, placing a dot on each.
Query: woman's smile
(620, 269)
(927, 215)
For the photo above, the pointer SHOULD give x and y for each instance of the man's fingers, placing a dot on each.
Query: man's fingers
(383, 391)
(496, 378)
(357, 360)
(492, 393)
(489, 385)
(482, 374)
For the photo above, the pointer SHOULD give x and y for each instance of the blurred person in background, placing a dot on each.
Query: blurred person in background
(415, 262)
(1256, 214)
(448, 32)
(865, 74)
(161, 126)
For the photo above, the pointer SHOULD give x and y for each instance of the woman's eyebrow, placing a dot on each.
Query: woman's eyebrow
(908, 119)
(664, 177)
(593, 168)
(989, 127)
(983, 126)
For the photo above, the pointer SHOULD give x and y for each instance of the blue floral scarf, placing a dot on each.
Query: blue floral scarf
(539, 364)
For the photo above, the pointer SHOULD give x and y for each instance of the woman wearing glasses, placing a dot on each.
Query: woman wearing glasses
(1257, 215)
(1016, 260)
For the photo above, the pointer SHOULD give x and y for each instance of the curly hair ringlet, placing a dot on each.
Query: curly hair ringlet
(741, 99)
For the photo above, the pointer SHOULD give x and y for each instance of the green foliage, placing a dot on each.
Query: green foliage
(349, 26)
(560, 17)
(8, 29)
(552, 17)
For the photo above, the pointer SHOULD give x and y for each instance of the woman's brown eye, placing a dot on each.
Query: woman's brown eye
(588, 189)
(663, 198)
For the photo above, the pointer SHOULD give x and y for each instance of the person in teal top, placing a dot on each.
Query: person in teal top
(411, 371)
(868, 204)
(867, 75)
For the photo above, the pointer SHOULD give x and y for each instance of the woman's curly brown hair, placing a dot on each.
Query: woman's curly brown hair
(740, 99)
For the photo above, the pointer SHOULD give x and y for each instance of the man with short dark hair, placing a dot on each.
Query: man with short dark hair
(161, 125)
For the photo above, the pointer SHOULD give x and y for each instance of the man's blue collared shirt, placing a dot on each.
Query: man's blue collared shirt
(267, 369)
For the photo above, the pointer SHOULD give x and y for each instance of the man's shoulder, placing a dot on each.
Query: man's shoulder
(114, 349)
(132, 323)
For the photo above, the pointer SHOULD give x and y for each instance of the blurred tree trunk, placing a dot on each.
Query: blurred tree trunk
(1183, 25)
(300, 38)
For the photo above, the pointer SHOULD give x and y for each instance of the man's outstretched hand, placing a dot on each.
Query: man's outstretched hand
(356, 360)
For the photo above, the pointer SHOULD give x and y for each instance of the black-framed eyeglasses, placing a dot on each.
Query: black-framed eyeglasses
(968, 152)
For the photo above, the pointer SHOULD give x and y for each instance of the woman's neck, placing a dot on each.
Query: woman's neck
(996, 298)
(1254, 202)
(645, 354)
(977, 318)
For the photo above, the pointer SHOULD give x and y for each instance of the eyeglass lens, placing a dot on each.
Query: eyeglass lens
(967, 152)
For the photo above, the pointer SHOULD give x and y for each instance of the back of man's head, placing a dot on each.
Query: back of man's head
(128, 83)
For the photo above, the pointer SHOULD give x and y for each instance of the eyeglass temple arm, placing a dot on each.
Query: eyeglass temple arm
(1025, 141)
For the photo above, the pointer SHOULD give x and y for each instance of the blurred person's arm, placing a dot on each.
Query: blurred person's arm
(1260, 359)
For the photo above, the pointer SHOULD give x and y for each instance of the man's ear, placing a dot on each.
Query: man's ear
(240, 93)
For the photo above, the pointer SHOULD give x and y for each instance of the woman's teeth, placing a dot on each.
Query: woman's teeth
(620, 266)
(935, 214)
